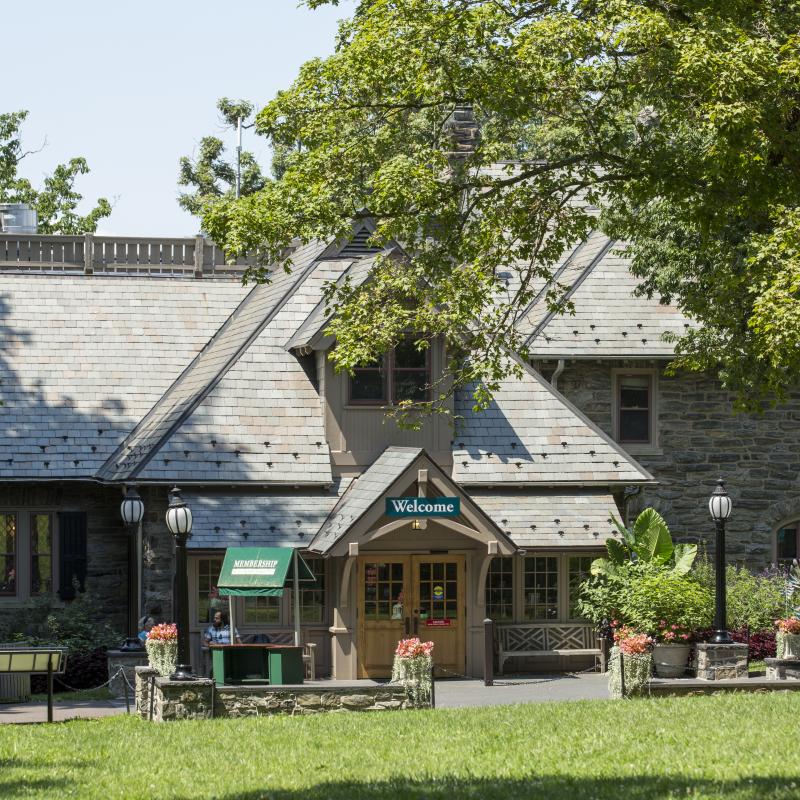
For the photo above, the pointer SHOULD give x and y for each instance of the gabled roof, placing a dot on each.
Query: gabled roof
(393, 470)
(610, 321)
(252, 315)
(532, 434)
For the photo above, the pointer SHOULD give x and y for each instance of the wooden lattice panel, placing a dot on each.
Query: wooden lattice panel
(569, 637)
(519, 639)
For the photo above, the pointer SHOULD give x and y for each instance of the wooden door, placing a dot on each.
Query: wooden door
(383, 615)
(439, 608)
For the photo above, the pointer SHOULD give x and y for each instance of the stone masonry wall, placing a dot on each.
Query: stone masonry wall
(701, 438)
(107, 542)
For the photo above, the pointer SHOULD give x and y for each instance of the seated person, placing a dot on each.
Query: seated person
(219, 631)
(145, 624)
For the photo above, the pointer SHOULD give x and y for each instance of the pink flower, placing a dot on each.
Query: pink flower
(788, 625)
(165, 632)
(413, 648)
(684, 636)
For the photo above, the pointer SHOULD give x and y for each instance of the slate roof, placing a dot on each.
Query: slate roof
(288, 519)
(557, 519)
(363, 492)
(253, 314)
(82, 359)
(532, 434)
(609, 321)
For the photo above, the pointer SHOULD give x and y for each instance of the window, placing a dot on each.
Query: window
(500, 590)
(208, 598)
(312, 598)
(634, 404)
(383, 589)
(787, 542)
(540, 600)
(578, 569)
(8, 554)
(261, 610)
(402, 374)
(41, 554)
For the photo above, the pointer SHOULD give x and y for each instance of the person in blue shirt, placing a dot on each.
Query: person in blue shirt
(219, 631)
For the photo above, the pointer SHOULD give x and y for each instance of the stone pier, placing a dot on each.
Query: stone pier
(715, 662)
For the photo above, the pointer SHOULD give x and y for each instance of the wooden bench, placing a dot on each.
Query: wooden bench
(537, 639)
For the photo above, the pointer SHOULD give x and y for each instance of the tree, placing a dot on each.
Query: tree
(211, 175)
(679, 120)
(57, 201)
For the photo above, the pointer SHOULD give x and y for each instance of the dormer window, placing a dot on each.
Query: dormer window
(402, 374)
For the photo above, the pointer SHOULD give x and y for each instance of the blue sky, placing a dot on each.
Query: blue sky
(133, 86)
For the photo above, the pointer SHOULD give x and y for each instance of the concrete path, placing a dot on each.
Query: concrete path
(62, 710)
(522, 689)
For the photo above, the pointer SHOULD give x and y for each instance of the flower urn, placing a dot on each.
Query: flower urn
(789, 646)
(670, 659)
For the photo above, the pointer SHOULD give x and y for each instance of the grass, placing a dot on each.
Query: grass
(756, 666)
(741, 746)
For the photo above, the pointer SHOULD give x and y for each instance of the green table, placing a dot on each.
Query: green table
(257, 663)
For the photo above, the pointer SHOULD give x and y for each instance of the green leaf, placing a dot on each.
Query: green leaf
(684, 555)
(627, 534)
(653, 540)
(603, 567)
(616, 551)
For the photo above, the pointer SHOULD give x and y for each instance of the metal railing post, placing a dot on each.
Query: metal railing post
(488, 652)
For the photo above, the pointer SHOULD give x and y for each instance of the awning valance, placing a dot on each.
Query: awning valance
(260, 571)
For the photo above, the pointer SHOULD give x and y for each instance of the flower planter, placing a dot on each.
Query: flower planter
(670, 660)
(788, 645)
(637, 670)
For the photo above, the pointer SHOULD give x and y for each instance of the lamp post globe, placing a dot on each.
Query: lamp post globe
(179, 522)
(132, 508)
(720, 507)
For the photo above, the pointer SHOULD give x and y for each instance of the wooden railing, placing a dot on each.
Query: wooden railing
(125, 255)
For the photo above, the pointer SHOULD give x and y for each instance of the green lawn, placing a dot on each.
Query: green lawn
(733, 746)
(81, 694)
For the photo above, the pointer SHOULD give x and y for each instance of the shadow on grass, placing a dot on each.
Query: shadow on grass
(544, 787)
(12, 786)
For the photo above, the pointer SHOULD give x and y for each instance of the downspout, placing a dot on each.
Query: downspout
(558, 370)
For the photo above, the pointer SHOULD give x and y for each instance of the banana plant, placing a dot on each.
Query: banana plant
(647, 541)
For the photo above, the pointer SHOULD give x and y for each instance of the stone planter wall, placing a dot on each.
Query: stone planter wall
(127, 660)
(201, 699)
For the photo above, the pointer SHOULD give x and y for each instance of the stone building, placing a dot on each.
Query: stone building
(147, 364)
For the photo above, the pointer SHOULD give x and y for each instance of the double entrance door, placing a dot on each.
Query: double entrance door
(404, 596)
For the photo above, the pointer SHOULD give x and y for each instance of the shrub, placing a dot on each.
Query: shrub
(754, 601)
(602, 597)
(667, 597)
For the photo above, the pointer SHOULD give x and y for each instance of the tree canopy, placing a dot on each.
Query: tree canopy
(680, 121)
(56, 202)
(213, 177)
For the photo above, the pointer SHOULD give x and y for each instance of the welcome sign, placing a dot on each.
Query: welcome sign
(423, 506)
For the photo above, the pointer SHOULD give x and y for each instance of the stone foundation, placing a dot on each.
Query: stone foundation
(715, 662)
(783, 669)
(202, 699)
(127, 660)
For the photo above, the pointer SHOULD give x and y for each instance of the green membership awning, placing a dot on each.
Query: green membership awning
(260, 571)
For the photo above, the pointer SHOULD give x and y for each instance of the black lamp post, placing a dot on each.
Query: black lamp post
(132, 511)
(179, 522)
(720, 507)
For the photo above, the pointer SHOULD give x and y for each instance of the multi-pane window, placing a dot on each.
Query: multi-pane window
(312, 596)
(578, 570)
(41, 553)
(262, 610)
(438, 590)
(208, 599)
(500, 590)
(788, 537)
(634, 408)
(8, 554)
(383, 589)
(402, 374)
(540, 587)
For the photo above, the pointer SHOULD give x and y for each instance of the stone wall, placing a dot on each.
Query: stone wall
(107, 543)
(201, 699)
(126, 660)
(701, 438)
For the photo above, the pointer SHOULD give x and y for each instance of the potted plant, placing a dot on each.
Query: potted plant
(788, 638)
(162, 648)
(671, 650)
(631, 662)
(413, 668)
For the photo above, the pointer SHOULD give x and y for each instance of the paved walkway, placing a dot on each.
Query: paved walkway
(449, 694)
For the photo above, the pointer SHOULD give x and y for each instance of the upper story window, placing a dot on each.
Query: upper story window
(788, 538)
(402, 374)
(635, 408)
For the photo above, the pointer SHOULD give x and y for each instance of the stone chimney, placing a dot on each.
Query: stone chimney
(463, 131)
